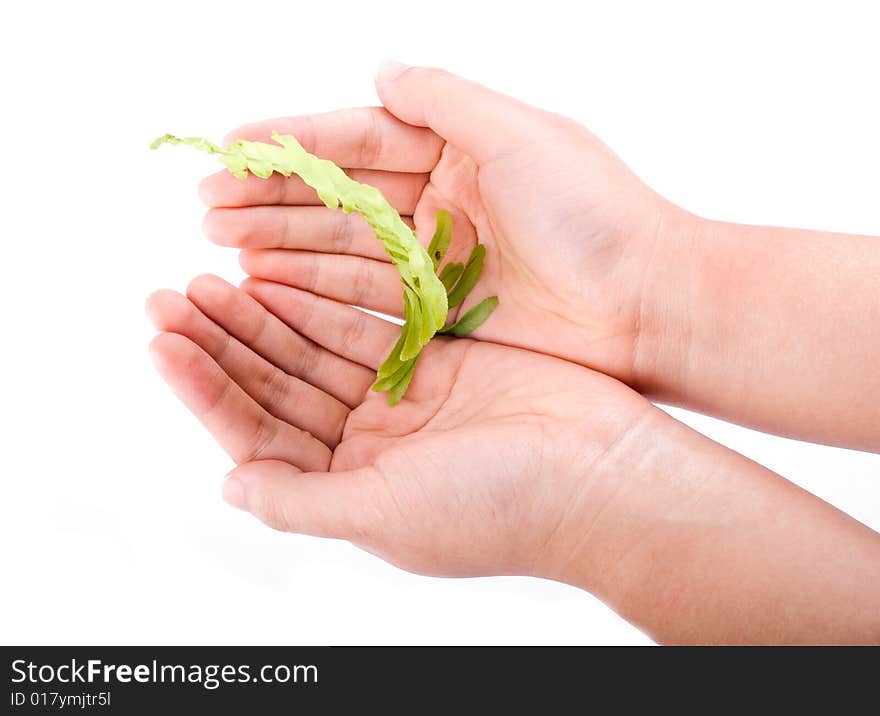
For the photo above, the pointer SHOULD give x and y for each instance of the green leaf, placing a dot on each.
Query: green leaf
(415, 325)
(469, 277)
(393, 362)
(422, 288)
(388, 382)
(472, 319)
(198, 142)
(449, 275)
(441, 238)
(397, 392)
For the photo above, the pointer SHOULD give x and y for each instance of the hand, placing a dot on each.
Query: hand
(569, 230)
(501, 461)
(768, 327)
(492, 449)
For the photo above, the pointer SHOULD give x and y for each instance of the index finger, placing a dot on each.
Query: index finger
(361, 138)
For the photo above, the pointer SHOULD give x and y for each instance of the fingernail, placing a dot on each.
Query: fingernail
(233, 492)
(390, 70)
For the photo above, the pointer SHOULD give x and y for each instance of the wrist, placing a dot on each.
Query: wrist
(616, 489)
(637, 514)
(669, 297)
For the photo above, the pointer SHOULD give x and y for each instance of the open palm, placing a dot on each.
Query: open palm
(568, 229)
(470, 474)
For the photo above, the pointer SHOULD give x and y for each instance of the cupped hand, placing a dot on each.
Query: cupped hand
(569, 231)
(492, 463)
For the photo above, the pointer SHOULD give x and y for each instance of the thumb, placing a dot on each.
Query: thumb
(343, 505)
(479, 121)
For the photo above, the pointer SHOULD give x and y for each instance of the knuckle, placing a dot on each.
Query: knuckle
(311, 273)
(274, 389)
(354, 331)
(308, 360)
(221, 390)
(361, 284)
(223, 345)
(343, 232)
(264, 435)
(284, 230)
(371, 146)
(309, 312)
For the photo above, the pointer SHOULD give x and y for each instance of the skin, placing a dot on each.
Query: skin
(590, 264)
(568, 474)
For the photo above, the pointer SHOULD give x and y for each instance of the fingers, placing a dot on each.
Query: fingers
(286, 397)
(311, 228)
(480, 122)
(243, 428)
(247, 320)
(222, 189)
(365, 137)
(339, 328)
(345, 505)
(349, 279)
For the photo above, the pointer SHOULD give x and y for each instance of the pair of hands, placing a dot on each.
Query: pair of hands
(474, 470)
(506, 456)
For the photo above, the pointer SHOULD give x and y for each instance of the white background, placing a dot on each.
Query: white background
(112, 529)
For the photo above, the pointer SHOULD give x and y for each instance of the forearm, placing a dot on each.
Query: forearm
(778, 329)
(697, 544)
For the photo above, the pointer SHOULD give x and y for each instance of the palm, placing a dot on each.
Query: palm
(549, 255)
(283, 383)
